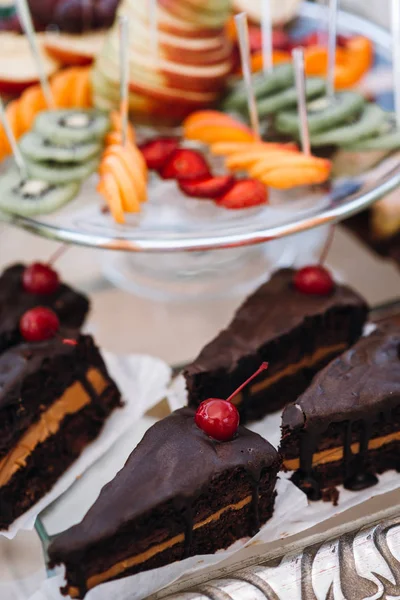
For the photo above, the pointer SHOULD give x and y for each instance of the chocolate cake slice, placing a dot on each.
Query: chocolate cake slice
(296, 333)
(54, 400)
(346, 427)
(70, 306)
(179, 494)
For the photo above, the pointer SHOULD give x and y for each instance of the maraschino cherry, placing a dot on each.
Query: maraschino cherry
(39, 324)
(219, 418)
(316, 280)
(39, 278)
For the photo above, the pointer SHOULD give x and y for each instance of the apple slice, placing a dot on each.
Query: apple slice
(17, 67)
(74, 50)
(281, 12)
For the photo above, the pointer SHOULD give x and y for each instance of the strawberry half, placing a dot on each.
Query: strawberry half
(185, 164)
(156, 152)
(210, 187)
(244, 194)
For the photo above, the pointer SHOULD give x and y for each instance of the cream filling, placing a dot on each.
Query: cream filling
(72, 401)
(336, 454)
(305, 363)
(128, 563)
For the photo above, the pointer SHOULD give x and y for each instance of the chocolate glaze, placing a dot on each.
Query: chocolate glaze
(70, 306)
(272, 311)
(362, 385)
(25, 359)
(175, 461)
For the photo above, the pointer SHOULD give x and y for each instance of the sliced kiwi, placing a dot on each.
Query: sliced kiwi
(386, 138)
(72, 126)
(370, 121)
(280, 78)
(53, 172)
(37, 148)
(30, 197)
(323, 114)
(315, 86)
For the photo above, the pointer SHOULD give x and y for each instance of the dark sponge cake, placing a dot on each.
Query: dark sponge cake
(296, 333)
(54, 400)
(346, 427)
(70, 306)
(179, 494)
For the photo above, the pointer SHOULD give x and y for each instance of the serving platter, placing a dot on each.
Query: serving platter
(171, 222)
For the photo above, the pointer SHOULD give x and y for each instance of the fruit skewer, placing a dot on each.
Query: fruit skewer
(280, 166)
(122, 170)
(70, 88)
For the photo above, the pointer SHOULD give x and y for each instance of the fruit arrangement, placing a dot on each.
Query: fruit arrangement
(192, 173)
(281, 12)
(179, 79)
(62, 149)
(189, 69)
(73, 16)
(70, 89)
(123, 172)
(354, 55)
(17, 66)
(276, 165)
(349, 122)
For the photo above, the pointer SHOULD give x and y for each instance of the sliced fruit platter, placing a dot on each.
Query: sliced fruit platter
(192, 173)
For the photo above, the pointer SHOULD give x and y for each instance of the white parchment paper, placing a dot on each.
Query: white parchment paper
(143, 382)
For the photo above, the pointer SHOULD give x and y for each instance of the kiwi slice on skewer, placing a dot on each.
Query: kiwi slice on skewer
(30, 197)
(370, 121)
(323, 114)
(72, 126)
(386, 138)
(53, 172)
(36, 148)
(280, 78)
(315, 86)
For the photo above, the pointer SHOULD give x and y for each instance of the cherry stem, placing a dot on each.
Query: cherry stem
(57, 254)
(263, 367)
(327, 245)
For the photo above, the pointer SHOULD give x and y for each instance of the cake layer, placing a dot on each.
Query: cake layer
(196, 496)
(350, 413)
(54, 399)
(220, 530)
(52, 457)
(70, 306)
(296, 333)
(73, 400)
(32, 376)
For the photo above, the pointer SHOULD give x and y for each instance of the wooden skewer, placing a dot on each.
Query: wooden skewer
(244, 47)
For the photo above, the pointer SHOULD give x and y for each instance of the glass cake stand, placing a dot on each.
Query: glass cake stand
(182, 248)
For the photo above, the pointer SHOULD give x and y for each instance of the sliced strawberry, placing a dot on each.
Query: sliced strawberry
(210, 187)
(185, 164)
(243, 194)
(156, 152)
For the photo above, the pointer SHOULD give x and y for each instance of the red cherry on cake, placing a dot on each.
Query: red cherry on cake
(314, 280)
(219, 418)
(39, 278)
(39, 324)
